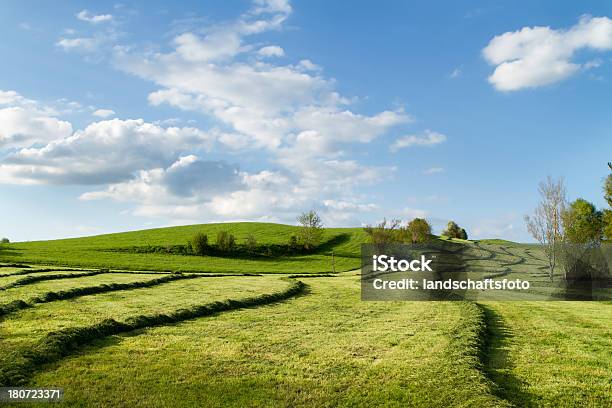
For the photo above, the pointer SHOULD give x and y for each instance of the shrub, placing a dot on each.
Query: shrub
(418, 230)
(199, 243)
(5, 241)
(225, 241)
(454, 231)
(293, 243)
(250, 242)
(385, 233)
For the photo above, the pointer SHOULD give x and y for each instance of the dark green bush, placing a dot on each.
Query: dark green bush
(199, 244)
(225, 241)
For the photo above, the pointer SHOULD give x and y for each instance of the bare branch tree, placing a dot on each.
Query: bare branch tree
(546, 224)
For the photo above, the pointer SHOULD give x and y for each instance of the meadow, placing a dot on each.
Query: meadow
(288, 335)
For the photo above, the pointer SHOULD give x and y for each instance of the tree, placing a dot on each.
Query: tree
(545, 225)
(418, 230)
(582, 223)
(385, 233)
(311, 230)
(199, 243)
(225, 241)
(454, 231)
(250, 242)
(607, 213)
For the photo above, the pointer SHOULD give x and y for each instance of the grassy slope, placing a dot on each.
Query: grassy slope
(323, 349)
(90, 251)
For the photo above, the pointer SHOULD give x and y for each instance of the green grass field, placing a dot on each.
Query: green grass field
(98, 251)
(272, 340)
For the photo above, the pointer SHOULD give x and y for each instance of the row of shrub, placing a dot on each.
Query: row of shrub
(62, 343)
(417, 230)
(226, 244)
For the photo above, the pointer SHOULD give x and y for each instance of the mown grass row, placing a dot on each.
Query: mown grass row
(56, 345)
(473, 338)
(40, 278)
(31, 271)
(89, 290)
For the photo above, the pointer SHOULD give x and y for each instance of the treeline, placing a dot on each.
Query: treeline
(417, 230)
(569, 231)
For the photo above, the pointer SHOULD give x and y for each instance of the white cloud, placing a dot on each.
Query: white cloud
(271, 51)
(86, 44)
(433, 170)
(289, 115)
(428, 138)
(25, 122)
(104, 152)
(103, 113)
(537, 56)
(456, 73)
(85, 15)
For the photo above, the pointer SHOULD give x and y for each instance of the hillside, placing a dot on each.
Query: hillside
(112, 250)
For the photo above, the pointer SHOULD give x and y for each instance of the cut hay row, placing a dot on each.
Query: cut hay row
(88, 290)
(40, 278)
(31, 271)
(56, 345)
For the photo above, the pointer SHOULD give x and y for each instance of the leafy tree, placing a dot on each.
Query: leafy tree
(199, 243)
(250, 242)
(607, 220)
(582, 223)
(311, 230)
(454, 231)
(225, 241)
(418, 230)
(293, 242)
(607, 214)
(385, 232)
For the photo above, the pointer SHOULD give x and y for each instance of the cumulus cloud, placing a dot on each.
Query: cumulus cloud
(271, 51)
(103, 113)
(538, 56)
(428, 138)
(25, 122)
(103, 152)
(85, 15)
(289, 115)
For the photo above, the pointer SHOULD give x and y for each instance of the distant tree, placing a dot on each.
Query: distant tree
(293, 242)
(418, 230)
(546, 225)
(311, 230)
(385, 232)
(454, 231)
(250, 242)
(607, 213)
(5, 241)
(199, 243)
(225, 241)
(582, 223)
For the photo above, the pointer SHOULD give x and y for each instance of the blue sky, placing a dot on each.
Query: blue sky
(135, 115)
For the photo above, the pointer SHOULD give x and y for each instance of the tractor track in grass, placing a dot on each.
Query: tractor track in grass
(62, 343)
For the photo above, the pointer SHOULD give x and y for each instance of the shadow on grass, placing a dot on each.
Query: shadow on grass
(498, 362)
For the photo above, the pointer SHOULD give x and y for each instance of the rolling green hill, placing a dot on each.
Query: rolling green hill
(112, 250)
